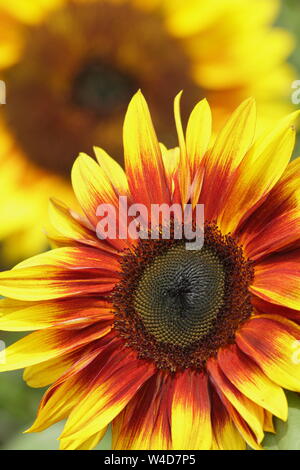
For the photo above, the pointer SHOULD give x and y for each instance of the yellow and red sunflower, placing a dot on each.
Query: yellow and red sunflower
(177, 348)
(71, 67)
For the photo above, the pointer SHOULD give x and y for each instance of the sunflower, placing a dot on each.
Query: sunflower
(177, 348)
(71, 67)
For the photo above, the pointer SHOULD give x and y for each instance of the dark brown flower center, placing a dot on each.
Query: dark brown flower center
(177, 307)
(179, 295)
(77, 72)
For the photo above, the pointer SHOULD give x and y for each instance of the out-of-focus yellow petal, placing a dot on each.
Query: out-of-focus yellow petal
(11, 42)
(30, 12)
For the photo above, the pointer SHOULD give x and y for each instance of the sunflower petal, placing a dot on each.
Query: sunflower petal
(284, 198)
(47, 344)
(93, 188)
(277, 279)
(275, 235)
(249, 411)
(259, 165)
(61, 218)
(274, 349)
(58, 403)
(79, 444)
(241, 425)
(73, 227)
(60, 273)
(230, 147)
(184, 174)
(66, 392)
(74, 258)
(48, 282)
(171, 159)
(262, 306)
(225, 434)
(113, 170)
(47, 372)
(191, 423)
(198, 134)
(248, 378)
(143, 159)
(268, 422)
(16, 315)
(144, 424)
(114, 385)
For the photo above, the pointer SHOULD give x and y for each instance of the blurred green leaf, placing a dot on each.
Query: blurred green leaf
(47, 440)
(289, 19)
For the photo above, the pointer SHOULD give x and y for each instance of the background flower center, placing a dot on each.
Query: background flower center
(101, 88)
(76, 73)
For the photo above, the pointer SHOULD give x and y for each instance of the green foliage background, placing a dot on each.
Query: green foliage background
(18, 403)
(290, 20)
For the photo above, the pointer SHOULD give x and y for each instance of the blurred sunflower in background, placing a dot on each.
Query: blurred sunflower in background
(71, 66)
(129, 331)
